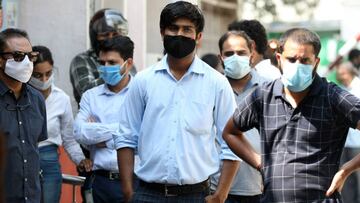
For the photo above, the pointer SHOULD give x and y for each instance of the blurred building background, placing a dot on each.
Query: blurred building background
(62, 25)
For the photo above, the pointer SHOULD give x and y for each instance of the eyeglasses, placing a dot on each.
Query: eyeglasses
(19, 56)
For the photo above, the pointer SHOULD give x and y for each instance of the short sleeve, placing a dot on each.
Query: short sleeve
(346, 105)
(246, 115)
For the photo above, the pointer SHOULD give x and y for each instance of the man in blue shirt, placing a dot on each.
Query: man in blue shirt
(170, 115)
(22, 117)
(303, 121)
(98, 117)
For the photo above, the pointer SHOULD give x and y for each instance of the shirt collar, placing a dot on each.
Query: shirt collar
(104, 89)
(196, 66)
(315, 87)
(3, 88)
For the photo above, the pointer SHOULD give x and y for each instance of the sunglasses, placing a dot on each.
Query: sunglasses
(19, 56)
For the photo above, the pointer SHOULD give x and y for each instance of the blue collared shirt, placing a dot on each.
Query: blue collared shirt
(171, 122)
(103, 106)
(23, 122)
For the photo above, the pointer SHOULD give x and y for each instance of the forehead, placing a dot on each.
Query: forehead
(234, 42)
(293, 48)
(43, 67)
(184, 22)
(18, 44)
(110, 55)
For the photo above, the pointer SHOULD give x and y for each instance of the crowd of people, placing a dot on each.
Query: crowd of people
(239, 126)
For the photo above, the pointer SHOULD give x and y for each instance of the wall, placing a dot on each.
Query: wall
(60, 25)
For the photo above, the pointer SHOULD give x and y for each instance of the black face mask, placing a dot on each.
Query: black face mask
(178, 46)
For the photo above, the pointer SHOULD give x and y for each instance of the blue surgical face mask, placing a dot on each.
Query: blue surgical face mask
(111, 74)
(297, 76)
(236, 67)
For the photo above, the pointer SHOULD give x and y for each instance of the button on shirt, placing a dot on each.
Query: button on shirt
(102, 105)
(23, 122)
(301, 147)
(60, 124)
(171, 123)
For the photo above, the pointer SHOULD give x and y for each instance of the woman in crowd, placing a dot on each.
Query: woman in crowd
(59, 127)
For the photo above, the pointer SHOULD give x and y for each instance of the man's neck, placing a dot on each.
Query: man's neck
(239, 85)
(178, 67)
(121, 85)
(256, 59)
(14, 85)
(294, 98)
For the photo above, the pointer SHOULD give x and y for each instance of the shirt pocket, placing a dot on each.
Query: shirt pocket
(198, 117)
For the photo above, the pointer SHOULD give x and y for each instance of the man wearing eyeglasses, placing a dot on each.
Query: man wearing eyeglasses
(22, 117)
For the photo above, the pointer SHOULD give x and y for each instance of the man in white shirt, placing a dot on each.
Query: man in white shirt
(98, 117)
(256, 31)
(347, 75)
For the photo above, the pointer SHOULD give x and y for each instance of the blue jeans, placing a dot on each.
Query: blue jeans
(50, 166)
(146, 195)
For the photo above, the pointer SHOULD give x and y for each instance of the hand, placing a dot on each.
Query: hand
(92, 119)
(101, 145)
(214, 198)
(337, 182)
(85, 164)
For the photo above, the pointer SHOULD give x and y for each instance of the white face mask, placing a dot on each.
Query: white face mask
(236, 67)
(20, 71)
(40, 85)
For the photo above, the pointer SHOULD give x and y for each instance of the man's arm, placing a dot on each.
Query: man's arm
(67, 134)
(89, 131)
(340, 177)
(240, 146)
(126, 169)
(224, 108)
(228, 173)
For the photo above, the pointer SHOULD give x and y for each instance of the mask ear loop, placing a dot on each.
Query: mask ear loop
(123, 67)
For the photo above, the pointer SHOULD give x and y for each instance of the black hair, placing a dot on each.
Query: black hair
(353, 54)
(255, 30)
(301, 36)
(211, 59)
(121, 44)
(44, 55)
(11, 33)
(182, 9)
(242, 34)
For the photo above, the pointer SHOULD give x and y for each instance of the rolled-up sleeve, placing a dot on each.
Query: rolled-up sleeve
(246, 114)
(89, 133)
(131, 114)
(224, 107)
